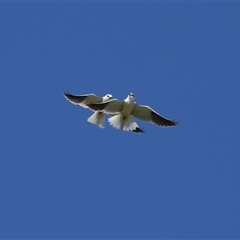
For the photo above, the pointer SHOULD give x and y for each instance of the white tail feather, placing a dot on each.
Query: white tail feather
(119, 122)
(98, 119)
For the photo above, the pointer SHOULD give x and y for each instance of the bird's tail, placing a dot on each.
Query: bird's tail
(98, 118)
(126, 124)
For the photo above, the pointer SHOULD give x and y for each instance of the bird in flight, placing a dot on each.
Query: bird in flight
(98, 117)
(124, 110)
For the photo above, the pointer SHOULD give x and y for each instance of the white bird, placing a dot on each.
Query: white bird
(124, 110)
(98, 118)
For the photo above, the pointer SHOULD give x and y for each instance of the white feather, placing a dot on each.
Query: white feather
(119, 122)
(98, 118)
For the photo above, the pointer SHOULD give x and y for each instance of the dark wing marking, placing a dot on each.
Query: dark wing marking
(112, 106)
(75, 98)
(147, 114)
(138, 130)
(97, 106)
(162, 121)
(81, 99)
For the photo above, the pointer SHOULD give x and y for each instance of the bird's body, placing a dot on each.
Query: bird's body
(98, 117)
(124, 110)
(127, 107)
(122, 118)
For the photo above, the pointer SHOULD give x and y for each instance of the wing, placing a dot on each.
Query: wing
(147, 114)
(113, 106)
(81, 99)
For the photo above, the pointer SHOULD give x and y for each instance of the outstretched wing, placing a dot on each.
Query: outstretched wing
(113, 106)
(147, 114)
(81, 99)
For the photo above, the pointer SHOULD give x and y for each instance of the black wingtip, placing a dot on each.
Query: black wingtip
(66, 93)
(175, 123)
(139, 130)
(169, 123)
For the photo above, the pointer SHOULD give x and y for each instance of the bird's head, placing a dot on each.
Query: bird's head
(131, 97)
(107, 97)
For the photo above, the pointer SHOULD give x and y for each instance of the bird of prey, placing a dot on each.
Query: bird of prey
(124, 110)
(98, 117)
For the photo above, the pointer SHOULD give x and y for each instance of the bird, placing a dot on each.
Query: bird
(98, 117)
(124, 111)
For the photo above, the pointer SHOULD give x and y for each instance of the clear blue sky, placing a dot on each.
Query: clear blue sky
(62, 177)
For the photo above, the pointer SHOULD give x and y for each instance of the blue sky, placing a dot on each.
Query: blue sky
(62, 177)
